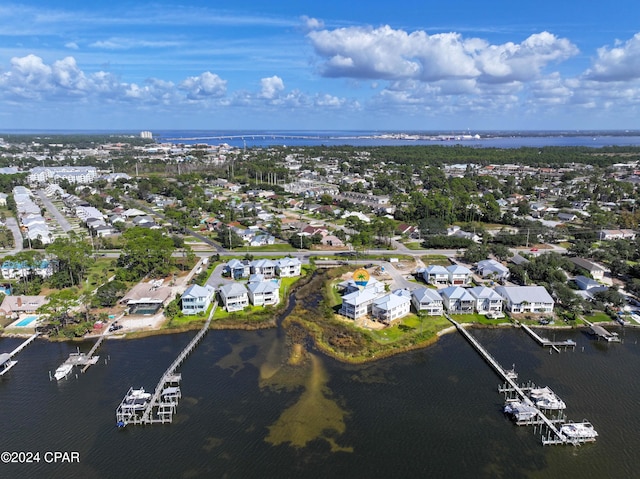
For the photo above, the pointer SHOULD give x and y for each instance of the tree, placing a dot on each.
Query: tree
(73, 257)
(109, 293)
(56, 312)
(145, 252)
(228, 238)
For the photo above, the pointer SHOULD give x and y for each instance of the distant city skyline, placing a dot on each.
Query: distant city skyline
(412, 65)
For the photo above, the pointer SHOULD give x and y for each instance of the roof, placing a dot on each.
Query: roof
(426, 295)
(457, 269)
(585, 264)
(482, 292)
(456, 292)
(197, 291)
(521, 294)
(264, 287)
(391, 301)
(151, 292)
(283, 262)
(232, 289)
(359, 297)
(436, 269)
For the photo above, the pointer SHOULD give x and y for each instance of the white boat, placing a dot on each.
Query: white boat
(63, 371)
(545, 398)
(579, 430)
(134, 404)
(139, 394)
(520, 411)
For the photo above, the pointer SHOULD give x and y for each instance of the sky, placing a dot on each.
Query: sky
(413, 65)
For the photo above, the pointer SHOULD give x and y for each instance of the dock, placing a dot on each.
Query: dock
(552, 426)
(6, 359)
(602, 333)
(546, 343)
(166, 395)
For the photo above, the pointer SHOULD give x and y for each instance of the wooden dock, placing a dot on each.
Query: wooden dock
(6, 359)
(546, 343)
(602, 333)
(553, 425)
(166, 395)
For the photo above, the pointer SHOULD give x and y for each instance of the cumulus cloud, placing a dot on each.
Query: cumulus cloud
(271, 87)
(309, 23)
(387, 53)
(72, 45)
(205, 85)
(619, 63)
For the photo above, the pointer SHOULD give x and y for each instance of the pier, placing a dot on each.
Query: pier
(546, 343)
(554, 426)
(6, 359)
(166, 395)
(602, 333)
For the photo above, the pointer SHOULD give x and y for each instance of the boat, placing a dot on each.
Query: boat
(579, 430)
(63, 371)
(134, 404)
(520, 411)
(545, 398)
(139, 394)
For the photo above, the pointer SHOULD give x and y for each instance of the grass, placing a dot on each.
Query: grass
(436, 259)
(414, 245)
(276, 248)
(598, 317)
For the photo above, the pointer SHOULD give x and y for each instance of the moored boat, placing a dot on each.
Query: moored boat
(63, 371)
(579, 430)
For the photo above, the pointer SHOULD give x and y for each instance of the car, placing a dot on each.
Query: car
(533, 250)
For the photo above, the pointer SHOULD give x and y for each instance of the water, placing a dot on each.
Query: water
(430, 413)
(294, 138)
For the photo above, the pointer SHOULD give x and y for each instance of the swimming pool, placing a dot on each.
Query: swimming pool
(26, 321)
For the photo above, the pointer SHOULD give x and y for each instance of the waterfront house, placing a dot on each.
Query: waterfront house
(350, 286)
(234, 296)
(288, 267)
(391, 306)
(493, 269)
(22, 269)
(487, 300)
(457, 300)
(265, 267)
(15, 305)
(427, 300)
(435, 274)
(458, 275)
(526, 299)
(358, 303)
(264, 293)
(196, 299)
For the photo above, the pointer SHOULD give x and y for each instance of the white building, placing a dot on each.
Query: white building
(526, 299)
(487, 300)
(392, 306)
(54, 174)
(264, 293)
(427, 300)
(288, 267)
(234, 296)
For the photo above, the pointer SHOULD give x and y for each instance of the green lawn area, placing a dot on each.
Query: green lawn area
(414, 245)
(435, 259)
(99, 273)
(478, 318)
(598, 317)
(279, 247)
(411, 324)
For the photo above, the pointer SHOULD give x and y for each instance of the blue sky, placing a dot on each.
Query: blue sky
(407, 65)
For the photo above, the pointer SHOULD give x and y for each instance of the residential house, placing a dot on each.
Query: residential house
(15, 305)
(493, 269)
(458, 275)
(196, 299)
(22, 269)
(392, 306)
(350, 286)
(234, 296)
(526, 299)
(237, 269)
(262, 240)
(596, 271)
(264, 293)
(358, 303)
(588, 287)
(607, 235)
(427, 300)
(265, 267)
(288, 267)
(457, 300)
(487, 300)
(435, 274)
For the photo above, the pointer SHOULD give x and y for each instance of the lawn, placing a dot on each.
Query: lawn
(598, 317)
(436, 259)
(414, 245)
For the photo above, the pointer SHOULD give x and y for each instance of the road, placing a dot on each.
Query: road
(12, 224)
(53, 211)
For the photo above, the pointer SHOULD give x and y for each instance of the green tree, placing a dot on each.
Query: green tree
(146, 252)
(73, 257)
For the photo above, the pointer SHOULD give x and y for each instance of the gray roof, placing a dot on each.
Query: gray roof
(424, 295)
(232, 289)
(521, 294)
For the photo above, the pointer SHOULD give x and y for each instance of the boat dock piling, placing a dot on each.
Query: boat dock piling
(6, 359)
(546, 343)
(166, 395)
(552, 426)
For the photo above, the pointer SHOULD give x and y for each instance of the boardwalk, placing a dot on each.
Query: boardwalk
(6, 359)
(166, 394)
(554, 436)
(546, 343)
